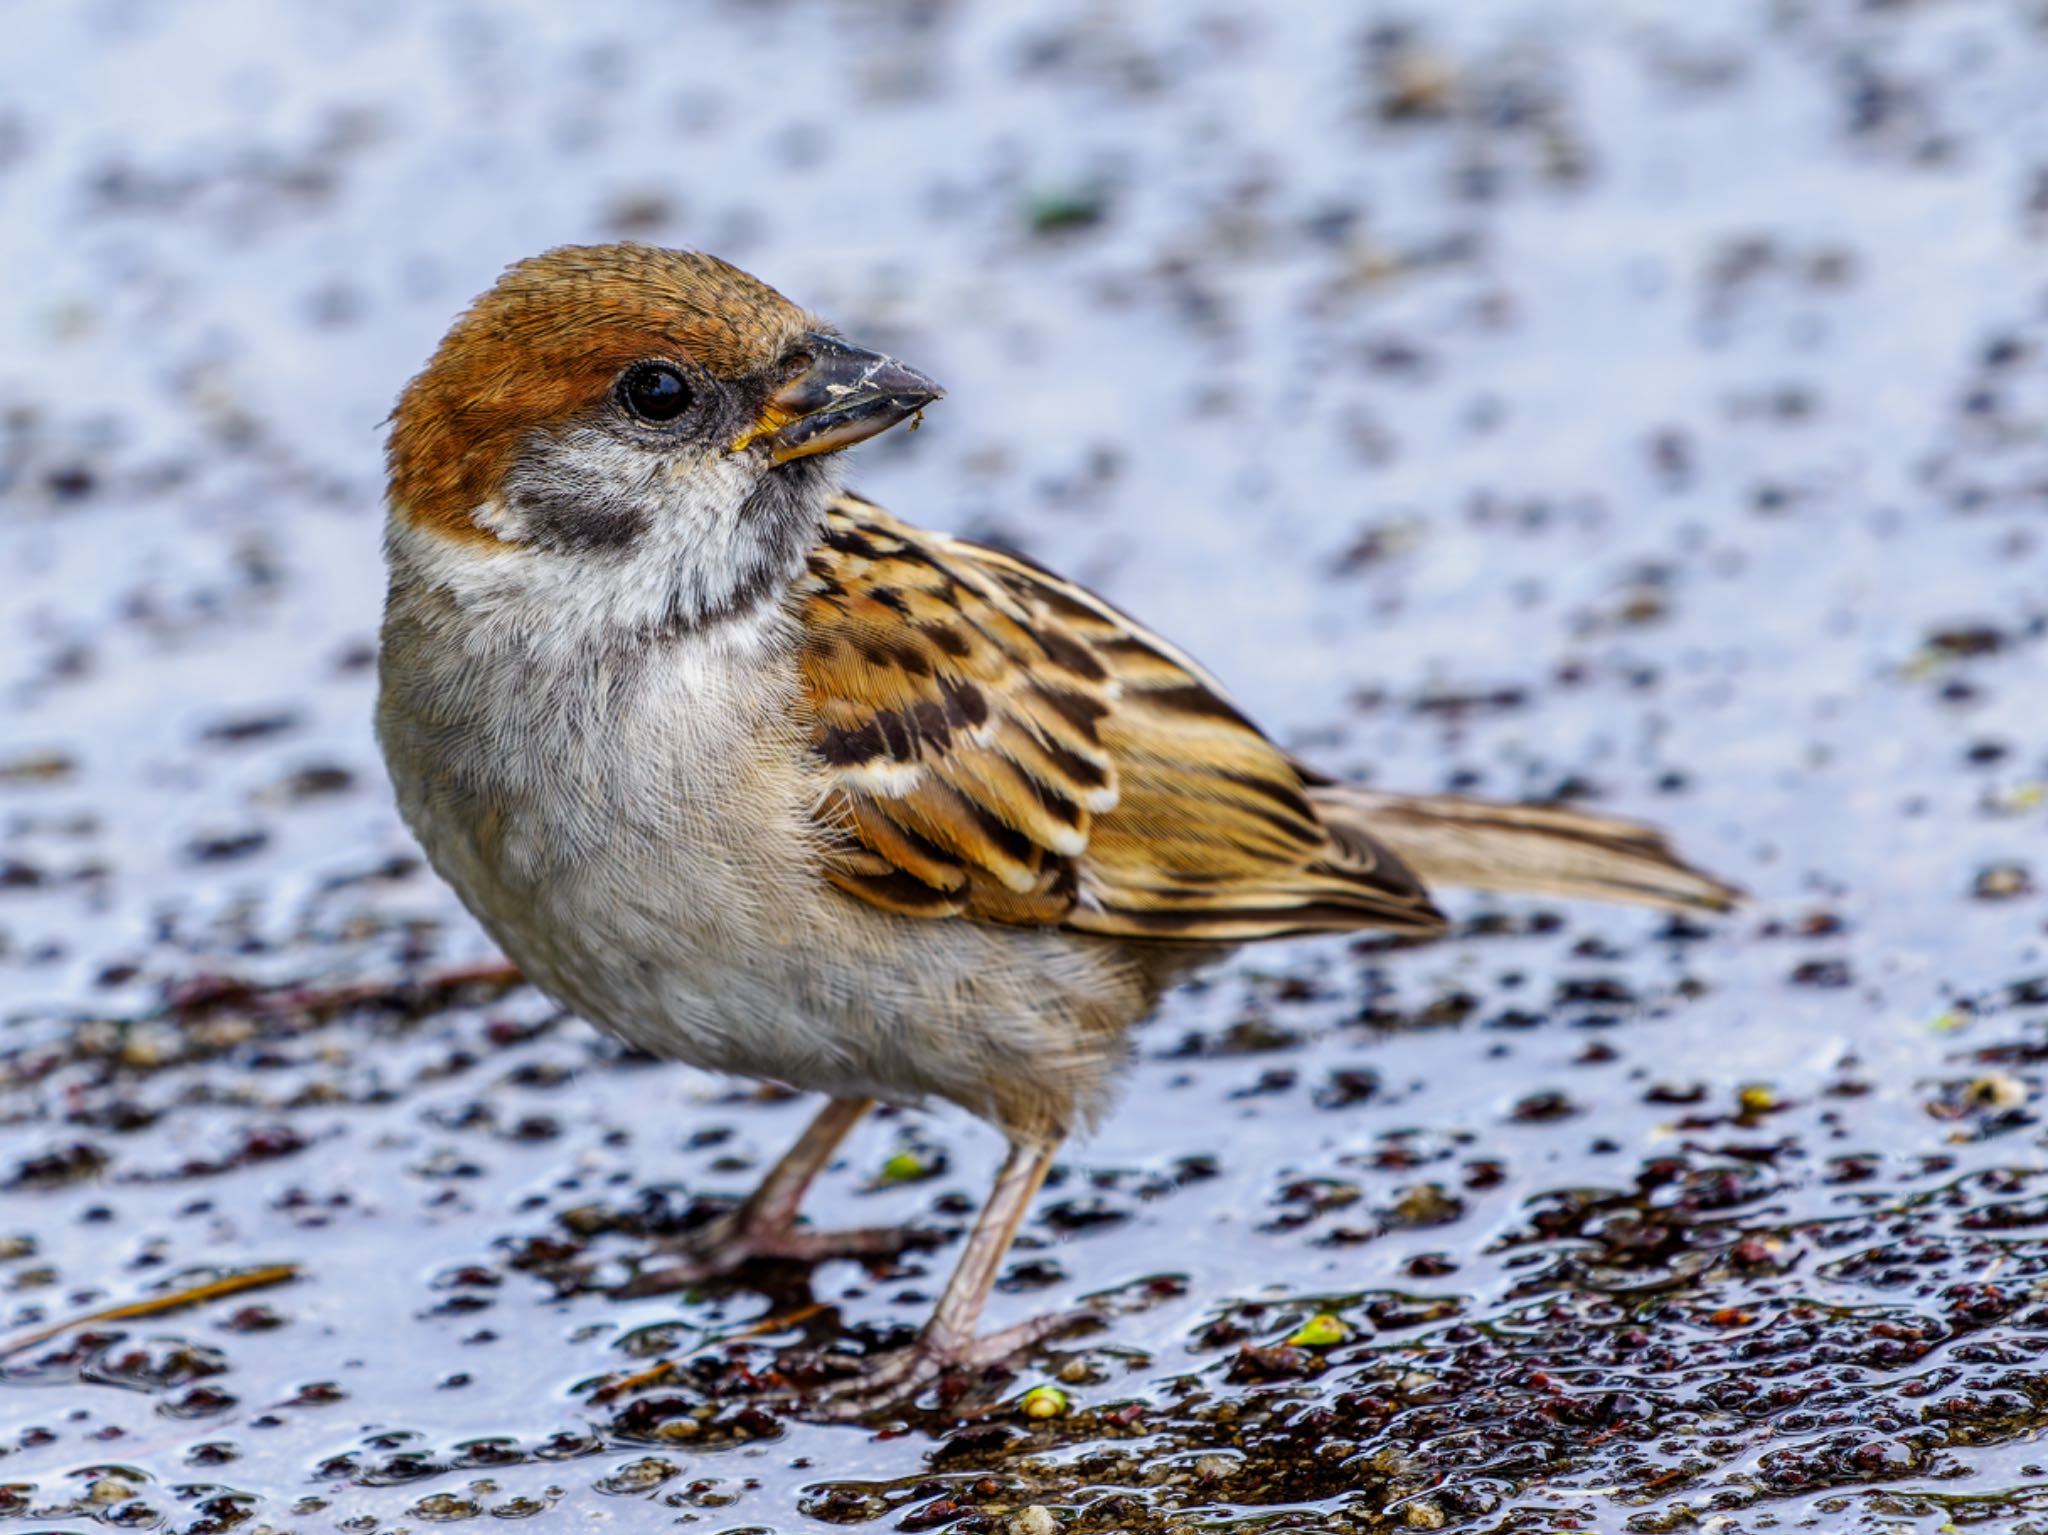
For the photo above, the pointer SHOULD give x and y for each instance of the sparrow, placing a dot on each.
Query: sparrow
(757, 776)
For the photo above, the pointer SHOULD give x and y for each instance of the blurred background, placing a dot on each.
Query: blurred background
(1617, 401)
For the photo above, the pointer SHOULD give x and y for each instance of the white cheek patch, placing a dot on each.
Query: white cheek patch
(495, 517)
(601, 537)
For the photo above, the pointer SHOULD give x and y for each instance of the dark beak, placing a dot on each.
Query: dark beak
(845, 395)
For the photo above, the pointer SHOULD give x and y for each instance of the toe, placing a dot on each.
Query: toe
(726, 1244)
(1001, 1347)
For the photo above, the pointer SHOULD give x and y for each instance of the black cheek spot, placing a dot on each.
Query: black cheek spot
(563, 524)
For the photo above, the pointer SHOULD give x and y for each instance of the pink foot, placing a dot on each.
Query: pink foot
(728, 1243)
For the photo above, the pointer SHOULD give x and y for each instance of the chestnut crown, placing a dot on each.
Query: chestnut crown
(572, 333)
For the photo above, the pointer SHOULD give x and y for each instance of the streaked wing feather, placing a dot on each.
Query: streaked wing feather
(1005, 746)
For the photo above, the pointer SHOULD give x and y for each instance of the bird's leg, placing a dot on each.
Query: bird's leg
(950, 1331)
(948, 1341)
(770, 1211)
(764, 1224)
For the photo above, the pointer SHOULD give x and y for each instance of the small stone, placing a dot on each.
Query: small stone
(910, 1165)
(2016, 799)
(1043, 1402)
(2002, 882)
(445, 1508)
(1997, 1090)
(1280, 1362)
(1424, 1515)
(1320, 1331)
(111, 1489)
(37, 767)
(1756, 1098)
(145, 1048)
(224, 846)
(588, 1220)
(1427, 1204)
(638, 1476)
(1414, 83)
(314, 782)
(1062, 210)
(1544, 1107)
(1035, 1520)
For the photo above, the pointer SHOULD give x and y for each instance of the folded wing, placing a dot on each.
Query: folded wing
(1003, 746)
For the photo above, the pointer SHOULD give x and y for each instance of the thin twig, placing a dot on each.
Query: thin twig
(221, 994)
(157, 1305)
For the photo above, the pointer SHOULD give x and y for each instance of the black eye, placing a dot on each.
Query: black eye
(654, 391)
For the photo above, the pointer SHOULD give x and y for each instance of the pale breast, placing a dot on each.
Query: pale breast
(638, 836)
(650, 801)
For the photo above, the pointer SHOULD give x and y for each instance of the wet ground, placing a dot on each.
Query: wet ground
(1549, 399)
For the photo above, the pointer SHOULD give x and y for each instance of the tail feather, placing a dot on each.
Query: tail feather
(1539, 849)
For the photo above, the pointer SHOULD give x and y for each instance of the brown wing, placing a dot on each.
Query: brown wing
(1005, 746)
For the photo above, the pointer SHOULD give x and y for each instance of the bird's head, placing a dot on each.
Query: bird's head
(641, 434)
